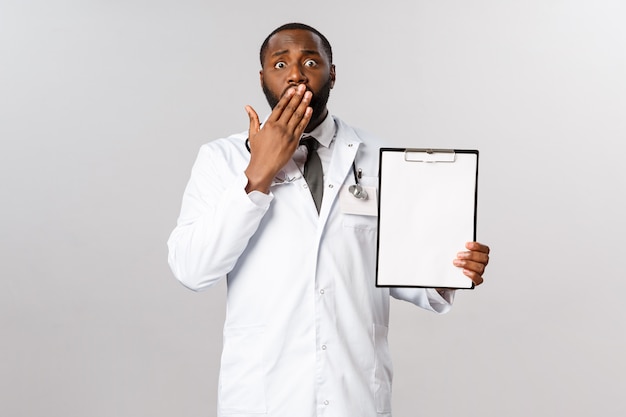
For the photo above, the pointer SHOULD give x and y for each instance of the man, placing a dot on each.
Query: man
(306, 327)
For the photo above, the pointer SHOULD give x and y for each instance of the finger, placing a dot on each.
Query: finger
(293, 104)
(479, 247)
(308, 113)
(255, 124)
(475, 256)
(473, 266)
(300, 114)
(277, 111)
(473, 270)
(477, 279)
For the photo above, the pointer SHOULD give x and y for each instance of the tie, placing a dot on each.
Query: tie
(313, 173)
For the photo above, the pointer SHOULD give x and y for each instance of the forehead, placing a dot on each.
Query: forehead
(295, 40)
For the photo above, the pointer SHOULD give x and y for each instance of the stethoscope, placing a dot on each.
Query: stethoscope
(356, 189)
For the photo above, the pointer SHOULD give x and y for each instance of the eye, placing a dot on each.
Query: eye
(310, 63)
(280, 65)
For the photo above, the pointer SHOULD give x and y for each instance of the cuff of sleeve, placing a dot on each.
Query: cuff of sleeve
(258, 198)
(441, 296)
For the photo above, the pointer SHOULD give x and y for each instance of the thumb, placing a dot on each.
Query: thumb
(254, 122)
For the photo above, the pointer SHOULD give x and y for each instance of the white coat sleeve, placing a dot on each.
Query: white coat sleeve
(426, 298)
(216, 221)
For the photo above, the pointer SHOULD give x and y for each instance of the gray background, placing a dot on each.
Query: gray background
(104, 104)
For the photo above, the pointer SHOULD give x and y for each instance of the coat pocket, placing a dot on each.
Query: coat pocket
(358, 222)
(242, 380)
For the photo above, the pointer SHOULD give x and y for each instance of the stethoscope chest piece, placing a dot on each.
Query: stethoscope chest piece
(358, 191)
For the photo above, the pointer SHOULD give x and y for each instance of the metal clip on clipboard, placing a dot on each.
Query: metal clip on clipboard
(429, 155)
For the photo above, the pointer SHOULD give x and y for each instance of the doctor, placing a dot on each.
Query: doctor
(306, 327)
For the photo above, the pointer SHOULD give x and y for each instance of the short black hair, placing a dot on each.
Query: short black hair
(294, 26)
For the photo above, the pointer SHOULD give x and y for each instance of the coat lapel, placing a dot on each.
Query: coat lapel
(345, 149)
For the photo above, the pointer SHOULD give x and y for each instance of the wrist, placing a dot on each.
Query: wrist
(257, 183)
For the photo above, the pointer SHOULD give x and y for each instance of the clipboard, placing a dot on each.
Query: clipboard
(426, 212)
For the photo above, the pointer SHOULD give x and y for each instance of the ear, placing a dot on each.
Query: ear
(261, 77)
(332, 75)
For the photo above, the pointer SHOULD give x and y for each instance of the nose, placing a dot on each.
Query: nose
(296, 75)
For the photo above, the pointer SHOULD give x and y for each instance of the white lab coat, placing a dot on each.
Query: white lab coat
(306, 327)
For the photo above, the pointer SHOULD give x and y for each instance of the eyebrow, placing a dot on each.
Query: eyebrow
(310, 52)
(305, 51)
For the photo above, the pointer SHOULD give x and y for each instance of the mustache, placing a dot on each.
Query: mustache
(318, 100)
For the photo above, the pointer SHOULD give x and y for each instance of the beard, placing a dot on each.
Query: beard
(318, 101)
